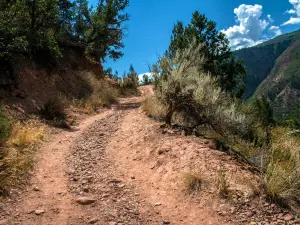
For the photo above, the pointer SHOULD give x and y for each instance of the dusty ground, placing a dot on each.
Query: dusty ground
(132, 172)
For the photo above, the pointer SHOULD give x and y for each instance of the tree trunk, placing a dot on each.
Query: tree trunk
(169, 115)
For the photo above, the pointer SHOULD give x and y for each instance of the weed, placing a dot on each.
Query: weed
(154, 108)
(193, 183)
(25, 134)
(222, 183)
(18, 159)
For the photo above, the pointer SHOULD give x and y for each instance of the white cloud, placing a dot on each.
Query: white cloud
(295, 11)
(291, 11)
(292, 21)
(270, 18)
(276, 30)
(250, 26)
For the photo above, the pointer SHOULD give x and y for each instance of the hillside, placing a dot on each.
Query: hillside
(260, 60)
(282, 86)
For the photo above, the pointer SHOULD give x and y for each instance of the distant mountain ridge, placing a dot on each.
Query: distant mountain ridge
(273, 69)
(260, 60)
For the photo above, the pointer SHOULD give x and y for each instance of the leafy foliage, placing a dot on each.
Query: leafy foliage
(34, 28)
(264, 114)
(130, 79)
(146, 79)
(220, 62)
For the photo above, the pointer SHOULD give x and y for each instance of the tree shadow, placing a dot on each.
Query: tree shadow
(128, 105)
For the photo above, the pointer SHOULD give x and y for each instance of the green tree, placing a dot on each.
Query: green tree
(82, 19)
(104, 38)
(34, 27)
(146, 79)
(220, 61)
(263, 112)
(66, 17)
(27, 27)
(108, 72)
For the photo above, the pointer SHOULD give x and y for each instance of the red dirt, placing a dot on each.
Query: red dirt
(134, 172)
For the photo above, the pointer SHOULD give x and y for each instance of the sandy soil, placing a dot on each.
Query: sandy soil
(125, 169)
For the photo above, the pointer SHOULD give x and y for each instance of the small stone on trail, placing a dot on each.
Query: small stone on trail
(39, 212)
(157, 204)
(85, 200)
(93, 221)
(36, 189)
(85, 189)
(165, 222)
(288, 217)
(115, 181)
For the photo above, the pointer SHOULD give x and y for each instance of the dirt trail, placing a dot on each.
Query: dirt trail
(132, 172)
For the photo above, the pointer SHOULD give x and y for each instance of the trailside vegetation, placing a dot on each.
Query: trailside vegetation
(37, 28)
(194, 90)
(220, 61)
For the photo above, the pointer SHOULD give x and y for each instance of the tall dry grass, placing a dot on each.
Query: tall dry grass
(103, 94)
(282, 177)
(154, 108)
(19, 155)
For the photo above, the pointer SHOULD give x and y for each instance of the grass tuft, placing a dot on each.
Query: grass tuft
(282, 178)
(19, 151)
(104, 94)
(25, 134)
(154, 108)
(222, 183)
(193, 183)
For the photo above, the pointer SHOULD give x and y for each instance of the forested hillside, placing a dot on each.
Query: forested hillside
(40, 30)
(260, 60)
(282, 86)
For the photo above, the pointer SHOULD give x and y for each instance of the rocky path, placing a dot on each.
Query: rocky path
(120, 167)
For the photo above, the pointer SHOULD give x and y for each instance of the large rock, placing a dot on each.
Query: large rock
(85, 200)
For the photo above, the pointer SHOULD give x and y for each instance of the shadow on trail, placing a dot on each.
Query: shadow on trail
(128, 105)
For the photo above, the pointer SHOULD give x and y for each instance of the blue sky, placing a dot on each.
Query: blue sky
(245, 22)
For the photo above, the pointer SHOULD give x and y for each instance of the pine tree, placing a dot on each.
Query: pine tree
(220, 61)
(264, 114)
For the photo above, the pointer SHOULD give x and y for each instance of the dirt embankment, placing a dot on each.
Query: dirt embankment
(30, 84)
(119, 167)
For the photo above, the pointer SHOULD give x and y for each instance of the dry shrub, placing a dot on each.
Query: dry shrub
(18, 160)
(25, 134)
(103, 95)
(253, 185)
(282, 178)
(53, 109)
(189, 90)
(154, 108)
(222, 184)
(193, 183)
